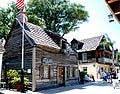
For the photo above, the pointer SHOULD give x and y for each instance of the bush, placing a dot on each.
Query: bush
(14, 78)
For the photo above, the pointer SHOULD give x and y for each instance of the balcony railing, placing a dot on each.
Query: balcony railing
(101, 60)
(105, 60)
(89, 60)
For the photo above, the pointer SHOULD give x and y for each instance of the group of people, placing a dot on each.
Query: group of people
(108, 76)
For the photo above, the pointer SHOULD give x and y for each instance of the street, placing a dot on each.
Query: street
(98, 87)
(87, 88)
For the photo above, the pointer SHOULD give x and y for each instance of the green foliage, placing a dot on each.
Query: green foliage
(36, 20)
(12, 73)
(118, 57)
(106, 43)
(7, 17)
(61, 17)
(14, 78)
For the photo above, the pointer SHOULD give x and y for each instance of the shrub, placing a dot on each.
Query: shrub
(14, 78)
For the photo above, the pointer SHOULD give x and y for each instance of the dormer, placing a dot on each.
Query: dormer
(76, 44)
(60, 41)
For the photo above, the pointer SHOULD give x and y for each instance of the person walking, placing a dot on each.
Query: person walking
(114, 78)
(103, 75)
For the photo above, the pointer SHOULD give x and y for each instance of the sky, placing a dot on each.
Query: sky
(97, 24)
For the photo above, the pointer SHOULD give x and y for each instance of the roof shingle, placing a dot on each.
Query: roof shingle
(90, 43)
(39, 37)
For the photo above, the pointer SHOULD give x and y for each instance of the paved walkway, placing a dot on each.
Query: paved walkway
(98, 87)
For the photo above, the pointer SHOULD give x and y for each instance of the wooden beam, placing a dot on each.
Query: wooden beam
(112, 10)
(112, 1)
(117, 13)
(33, 69)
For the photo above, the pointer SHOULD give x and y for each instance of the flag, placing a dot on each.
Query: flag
(20, 4)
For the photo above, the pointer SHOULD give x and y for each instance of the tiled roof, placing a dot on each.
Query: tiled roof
(90, 43)
(38, 36)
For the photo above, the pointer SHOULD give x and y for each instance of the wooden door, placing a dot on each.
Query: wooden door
(61, 73)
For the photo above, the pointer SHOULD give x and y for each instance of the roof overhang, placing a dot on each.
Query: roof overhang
(114, 6)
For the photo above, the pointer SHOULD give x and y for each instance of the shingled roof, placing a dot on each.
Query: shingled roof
(39, 37)
(90, 43)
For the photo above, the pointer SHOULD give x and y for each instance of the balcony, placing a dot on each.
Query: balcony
(89, 60)
(105, 60)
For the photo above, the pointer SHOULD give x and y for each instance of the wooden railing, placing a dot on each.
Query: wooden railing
(105, 60)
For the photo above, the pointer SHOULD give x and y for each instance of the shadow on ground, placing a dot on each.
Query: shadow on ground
(77, 86)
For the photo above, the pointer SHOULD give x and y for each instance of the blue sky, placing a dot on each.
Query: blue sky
(98, 22)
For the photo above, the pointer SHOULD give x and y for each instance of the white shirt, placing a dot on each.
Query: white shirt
(103, 74)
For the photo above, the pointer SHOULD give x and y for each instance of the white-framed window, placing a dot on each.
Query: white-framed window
(85, 69)
(84, 57)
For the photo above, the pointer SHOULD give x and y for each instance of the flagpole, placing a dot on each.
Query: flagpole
(20, 5)
(22, 65)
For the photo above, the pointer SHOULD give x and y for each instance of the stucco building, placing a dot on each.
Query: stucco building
(93, 55)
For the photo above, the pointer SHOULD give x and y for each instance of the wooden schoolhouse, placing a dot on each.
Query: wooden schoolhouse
(49, 60)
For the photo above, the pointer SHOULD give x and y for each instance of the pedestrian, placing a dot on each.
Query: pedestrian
(91, 76)
(113, 74)
(109, 77)
(103, 75)
(114, 78)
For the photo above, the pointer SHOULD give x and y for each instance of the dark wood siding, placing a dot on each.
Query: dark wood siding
(13, 49)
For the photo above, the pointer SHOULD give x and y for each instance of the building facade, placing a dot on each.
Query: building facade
(49, 60)
(94, 55)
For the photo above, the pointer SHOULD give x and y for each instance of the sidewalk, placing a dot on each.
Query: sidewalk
(97, 82)
(3, 91)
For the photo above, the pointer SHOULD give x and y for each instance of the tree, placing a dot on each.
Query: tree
(59, 17)
(7, 16)
(118, 56)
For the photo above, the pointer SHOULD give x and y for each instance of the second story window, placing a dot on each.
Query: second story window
(85, 69)
(84, 57)
(75, 46)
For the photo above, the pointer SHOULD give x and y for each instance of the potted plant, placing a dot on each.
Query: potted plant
(14, 80)
(17, 82)
(12, 76)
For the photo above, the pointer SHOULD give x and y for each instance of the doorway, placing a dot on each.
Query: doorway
(61, 73)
